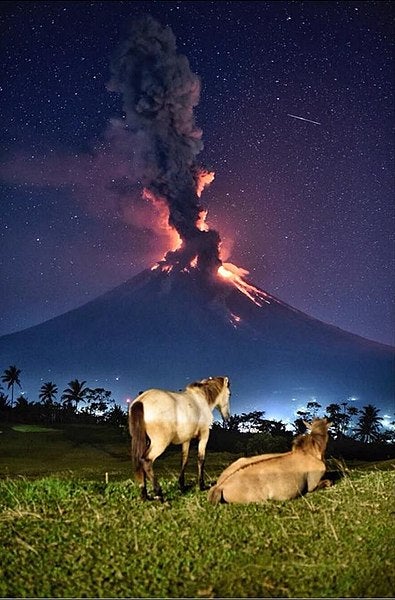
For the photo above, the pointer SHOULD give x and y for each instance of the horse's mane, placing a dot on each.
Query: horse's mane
(210, 387)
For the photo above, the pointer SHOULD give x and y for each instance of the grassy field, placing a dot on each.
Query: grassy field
(64, 532)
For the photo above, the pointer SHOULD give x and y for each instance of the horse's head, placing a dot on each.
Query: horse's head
(318, 426)
(317, 435)
(219, 388)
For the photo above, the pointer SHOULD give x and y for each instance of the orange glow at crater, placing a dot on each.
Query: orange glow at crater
(228, 271)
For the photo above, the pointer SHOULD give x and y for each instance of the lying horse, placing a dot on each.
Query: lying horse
(277, 476)
(158, 418)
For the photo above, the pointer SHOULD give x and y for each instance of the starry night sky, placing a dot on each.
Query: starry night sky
(307, 208)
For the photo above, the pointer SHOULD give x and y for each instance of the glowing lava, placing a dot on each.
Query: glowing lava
(228, 271)
(235, 276)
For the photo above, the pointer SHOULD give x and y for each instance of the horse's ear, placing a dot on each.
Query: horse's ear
(308, 425)
(329, 424)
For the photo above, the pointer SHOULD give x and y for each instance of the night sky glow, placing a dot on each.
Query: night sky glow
(296, 110)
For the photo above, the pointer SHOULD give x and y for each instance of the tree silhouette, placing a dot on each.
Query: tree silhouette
(11, 378)
(48, 392)
(47, 395)
(313, 408)
(335, 416)
(116, 416)
(252, 421)
(307, 414)
(233, 423)
(76, 393)
(389, 434)
(369, 424)
(4, 405)
(98, 401)
(352, 411)
(2, 394)
(278, 428)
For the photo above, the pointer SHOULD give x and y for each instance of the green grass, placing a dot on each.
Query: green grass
(32, 429)
(84, 451)
(71, 535)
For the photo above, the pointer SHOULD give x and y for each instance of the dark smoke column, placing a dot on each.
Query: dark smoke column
(159, 93)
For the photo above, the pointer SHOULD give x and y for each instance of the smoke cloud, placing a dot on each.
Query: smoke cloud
(159, 93)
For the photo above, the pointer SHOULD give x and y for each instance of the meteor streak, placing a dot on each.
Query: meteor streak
(303, 119)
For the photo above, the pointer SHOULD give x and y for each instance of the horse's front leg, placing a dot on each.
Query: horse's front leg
(314, 481)
(184, 460)
(201, 459)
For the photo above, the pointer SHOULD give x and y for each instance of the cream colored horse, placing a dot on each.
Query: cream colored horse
(158, 418)
(277, 476)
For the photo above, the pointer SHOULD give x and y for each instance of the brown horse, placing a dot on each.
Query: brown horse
(277, 476)
(158, 418)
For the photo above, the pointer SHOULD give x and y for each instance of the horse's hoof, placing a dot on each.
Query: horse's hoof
(159, 498)
(186, 488)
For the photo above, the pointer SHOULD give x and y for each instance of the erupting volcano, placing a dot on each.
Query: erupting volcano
(190, 315)
(159, 94)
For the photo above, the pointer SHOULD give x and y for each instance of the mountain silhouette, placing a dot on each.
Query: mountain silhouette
(168, 328)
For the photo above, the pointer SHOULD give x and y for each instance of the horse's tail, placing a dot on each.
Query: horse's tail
(139, 435)
(215, 495)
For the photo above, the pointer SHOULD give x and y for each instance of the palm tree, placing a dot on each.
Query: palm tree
(352, 412)
(75, 392)
(48, 392)
(369, 423)
(11, 377)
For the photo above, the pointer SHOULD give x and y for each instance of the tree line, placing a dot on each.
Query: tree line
(80, 402)
(98, 404)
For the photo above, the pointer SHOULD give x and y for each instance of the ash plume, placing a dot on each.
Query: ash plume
(159, 93)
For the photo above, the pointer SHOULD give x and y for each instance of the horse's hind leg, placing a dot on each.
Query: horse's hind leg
(201, 459)
(184, 460)
(149, 472)
(141, 479)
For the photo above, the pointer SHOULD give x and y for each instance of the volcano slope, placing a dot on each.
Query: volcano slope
(168, 328)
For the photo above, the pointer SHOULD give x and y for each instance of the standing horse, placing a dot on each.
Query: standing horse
(158, 418)
(277, 476)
